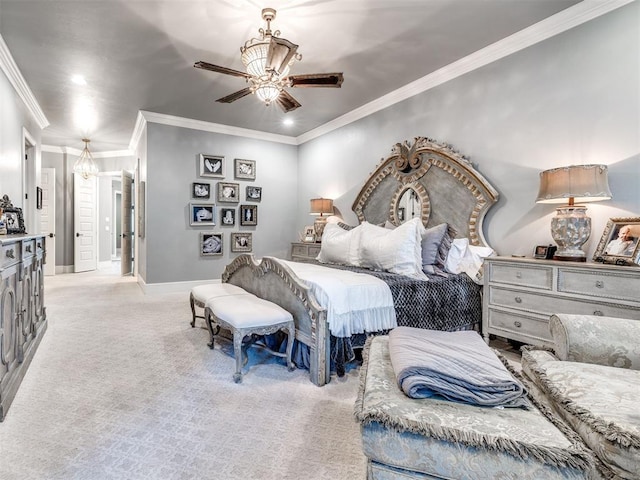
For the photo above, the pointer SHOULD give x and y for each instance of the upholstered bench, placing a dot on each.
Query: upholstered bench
(200, 294)
(245, 314)
(405, 438)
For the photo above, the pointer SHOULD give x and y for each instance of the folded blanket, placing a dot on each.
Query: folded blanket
(457, 366)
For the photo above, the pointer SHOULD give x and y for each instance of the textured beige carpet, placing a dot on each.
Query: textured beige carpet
(123, 388)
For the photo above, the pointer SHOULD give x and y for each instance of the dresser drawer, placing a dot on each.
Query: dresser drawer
(525, 275)
(520, 325)
(299, 250)
(547, 305)
(10, 254)
(623, 286)
(28, 248)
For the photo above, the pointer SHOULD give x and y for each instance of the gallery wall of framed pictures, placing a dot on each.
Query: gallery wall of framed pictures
(217, 204)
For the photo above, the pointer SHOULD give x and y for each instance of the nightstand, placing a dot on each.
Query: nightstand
(520, 294)
(304, 252)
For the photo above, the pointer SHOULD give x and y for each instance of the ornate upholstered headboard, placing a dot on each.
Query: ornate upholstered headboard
(430, 180)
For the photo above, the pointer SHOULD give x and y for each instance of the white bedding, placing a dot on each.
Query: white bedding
(355, 302)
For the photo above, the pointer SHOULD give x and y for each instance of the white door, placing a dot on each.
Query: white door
(126, 219)
(85, 251)
(48, 217)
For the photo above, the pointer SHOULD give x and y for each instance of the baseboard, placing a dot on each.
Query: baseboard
(171, 287)
(64, 269)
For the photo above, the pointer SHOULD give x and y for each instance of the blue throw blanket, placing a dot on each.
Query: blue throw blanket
(457, 366)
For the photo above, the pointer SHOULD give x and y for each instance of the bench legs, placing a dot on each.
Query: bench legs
(193, 302)
(240, 333)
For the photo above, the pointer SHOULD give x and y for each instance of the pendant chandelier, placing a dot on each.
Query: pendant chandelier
(85, 164)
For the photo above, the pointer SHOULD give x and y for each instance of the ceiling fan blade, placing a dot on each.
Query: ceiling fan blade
(235, 96)
(218, 69)
(287, 102)
(280, 53)
(316, 80)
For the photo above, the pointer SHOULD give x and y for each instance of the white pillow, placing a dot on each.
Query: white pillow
(467, 258)
(340, 246)
(396, 251)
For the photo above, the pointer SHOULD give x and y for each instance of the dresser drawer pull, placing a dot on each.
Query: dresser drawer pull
(518, 300)
(518, 274)
(28, 248)
(39, 245)
(517, 324)
(9, 253)
(598, 313)
(599, 284)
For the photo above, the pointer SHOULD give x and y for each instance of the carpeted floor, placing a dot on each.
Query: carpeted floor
(123, 388)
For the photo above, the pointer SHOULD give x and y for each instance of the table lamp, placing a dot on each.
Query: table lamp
(571, 227)
(320, 206)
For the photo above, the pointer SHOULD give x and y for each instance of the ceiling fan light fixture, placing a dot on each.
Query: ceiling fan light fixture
(85, 165)
(267, 92)
(267, 60)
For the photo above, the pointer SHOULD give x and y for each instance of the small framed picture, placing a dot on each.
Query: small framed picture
(254, 194)
(544, 252)
(210, 244)
(228, 192)
(309, 234)
(211, 165)
(619, 242)
(13, 220)
(202, 214)
(248, 215)
(245, 169)
(201, 190)
(241, 242)
(38, 198)
(228, 216)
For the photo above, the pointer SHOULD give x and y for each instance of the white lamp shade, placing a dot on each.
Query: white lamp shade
(582, 183)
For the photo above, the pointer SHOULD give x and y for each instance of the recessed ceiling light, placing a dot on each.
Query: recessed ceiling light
(288, 121)
(78, 80)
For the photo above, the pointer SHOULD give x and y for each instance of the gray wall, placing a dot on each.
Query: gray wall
(13, 117)
(573, 99)
(172, 246)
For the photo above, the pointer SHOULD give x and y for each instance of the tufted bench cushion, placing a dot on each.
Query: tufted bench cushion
(200, 294)
(406, 438)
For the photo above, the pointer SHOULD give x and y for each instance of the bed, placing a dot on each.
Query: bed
(421, 179)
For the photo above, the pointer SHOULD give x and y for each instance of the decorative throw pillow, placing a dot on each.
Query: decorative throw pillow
(445, 246)
(395, 251)
(340, 246)
(431, 241)
(467, 258)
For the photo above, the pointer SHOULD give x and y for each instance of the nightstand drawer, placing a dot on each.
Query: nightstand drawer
(299, 250)
(621, 286)
(525, 275)
(520, 325)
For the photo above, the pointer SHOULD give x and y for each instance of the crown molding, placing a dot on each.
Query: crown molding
(560, 22)
(77, 152)
(11, 70)
(211, 127)
(138, 129)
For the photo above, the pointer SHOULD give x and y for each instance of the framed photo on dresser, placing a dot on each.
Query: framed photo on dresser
(620, 242)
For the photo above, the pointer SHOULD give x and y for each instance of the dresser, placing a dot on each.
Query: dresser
(304, 252)
(23, 318)
(520, 294)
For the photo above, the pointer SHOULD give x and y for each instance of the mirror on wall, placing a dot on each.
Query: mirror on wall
(408, 205)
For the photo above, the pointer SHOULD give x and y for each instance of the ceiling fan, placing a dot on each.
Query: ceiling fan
(268, 60)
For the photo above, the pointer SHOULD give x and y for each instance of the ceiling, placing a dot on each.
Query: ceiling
(139, 55)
